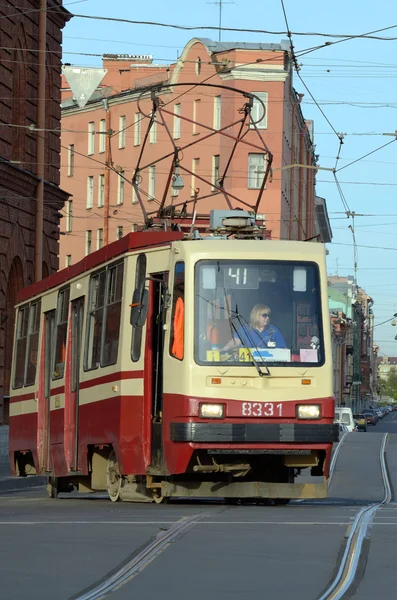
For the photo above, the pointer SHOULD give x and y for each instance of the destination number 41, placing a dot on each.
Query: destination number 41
(261, 409)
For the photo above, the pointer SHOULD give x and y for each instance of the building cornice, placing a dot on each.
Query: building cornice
(248, 73)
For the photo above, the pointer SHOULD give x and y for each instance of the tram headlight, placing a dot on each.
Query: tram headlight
(308, 411)
(212, 411)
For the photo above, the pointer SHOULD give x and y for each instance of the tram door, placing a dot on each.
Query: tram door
(72, 416)
(45, 396)
(155, 341)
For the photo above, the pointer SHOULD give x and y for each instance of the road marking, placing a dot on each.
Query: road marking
(19, 523)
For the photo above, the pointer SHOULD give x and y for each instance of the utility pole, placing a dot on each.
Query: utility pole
(108, 162)
(40, 142)
(220, 3)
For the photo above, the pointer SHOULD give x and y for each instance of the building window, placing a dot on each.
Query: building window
(90, 191)
(119, 232)
(102, 135)
(196, 113)
(256, 170)
(152, 182)
(88, 242)
(137, 129)
(195, 166)
(120, 191)
(257, 110)
(71, 160)
(99, 239)
(134, 227)
(68, 260)
(69, 215)
(217, 111)
(198, 65)
(177, 121)
(122, 127)
(101, 190)
(216, 159)
(91, 137)
(153, 133)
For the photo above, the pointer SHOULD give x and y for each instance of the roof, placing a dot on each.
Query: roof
(130, 242)
(213, 46)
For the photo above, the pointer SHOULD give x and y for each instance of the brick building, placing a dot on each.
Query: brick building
(109, 131)
(19, 80)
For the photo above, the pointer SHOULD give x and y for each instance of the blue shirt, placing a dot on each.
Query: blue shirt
(270, 337)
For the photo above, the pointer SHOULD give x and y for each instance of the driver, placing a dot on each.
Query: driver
(259, 333)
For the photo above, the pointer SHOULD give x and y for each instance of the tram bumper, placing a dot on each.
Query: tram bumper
(254, 433)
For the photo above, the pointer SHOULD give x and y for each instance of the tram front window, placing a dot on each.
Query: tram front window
(262, 311)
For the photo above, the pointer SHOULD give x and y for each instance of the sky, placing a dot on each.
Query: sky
(353, 82)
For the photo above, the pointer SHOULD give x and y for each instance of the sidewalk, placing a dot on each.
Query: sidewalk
(9, 483)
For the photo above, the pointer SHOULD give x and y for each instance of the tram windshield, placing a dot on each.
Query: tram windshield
(258, 312)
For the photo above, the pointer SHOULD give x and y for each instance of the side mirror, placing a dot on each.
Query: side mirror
(139, 307)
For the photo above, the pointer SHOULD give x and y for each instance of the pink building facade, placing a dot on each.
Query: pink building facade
(101, 143)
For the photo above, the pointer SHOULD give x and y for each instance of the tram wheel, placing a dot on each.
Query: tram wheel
(159, 499)
(113, 478)
(52, 487)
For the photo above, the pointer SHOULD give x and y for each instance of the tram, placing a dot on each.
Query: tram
(166, 365)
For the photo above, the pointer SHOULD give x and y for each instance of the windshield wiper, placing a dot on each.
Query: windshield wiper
(247, 333)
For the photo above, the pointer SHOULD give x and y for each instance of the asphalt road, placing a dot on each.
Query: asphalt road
(55, 549)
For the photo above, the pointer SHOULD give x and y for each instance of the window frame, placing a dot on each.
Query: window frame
(137, 331)
(57, 325)
(122, 131)
(256, 187)
(177, 121)
(320, 324)
(102, 136)
(101, 190)
(90, 312)
(257, 108)
(91, 138)
(90, 192)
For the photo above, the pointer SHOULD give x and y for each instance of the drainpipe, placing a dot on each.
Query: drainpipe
(293, 160)
(40, 142)
(108, 160)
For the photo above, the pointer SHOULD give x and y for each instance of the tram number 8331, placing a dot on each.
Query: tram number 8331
(261, 409)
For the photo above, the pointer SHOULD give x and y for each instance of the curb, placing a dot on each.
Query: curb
(14, 484)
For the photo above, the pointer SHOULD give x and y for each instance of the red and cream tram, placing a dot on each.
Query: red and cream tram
(161, 366)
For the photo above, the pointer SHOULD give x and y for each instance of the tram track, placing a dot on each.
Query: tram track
(138, 561)
(353, 553)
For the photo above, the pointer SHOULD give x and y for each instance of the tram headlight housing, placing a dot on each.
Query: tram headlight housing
(212, 411)
(308, 411)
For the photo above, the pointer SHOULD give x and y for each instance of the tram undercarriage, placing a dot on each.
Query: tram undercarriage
(211, 474)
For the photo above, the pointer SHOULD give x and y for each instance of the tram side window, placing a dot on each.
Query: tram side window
(114, 292)
(61, 333)
(95, 320)
(140, 277)
(33, 343)
(27, 342)
(178, 313)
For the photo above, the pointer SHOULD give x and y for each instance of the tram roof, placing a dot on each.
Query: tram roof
(130, 242)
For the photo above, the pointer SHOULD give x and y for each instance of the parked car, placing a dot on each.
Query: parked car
(361, 422)
(344, 415)
(371, 416)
